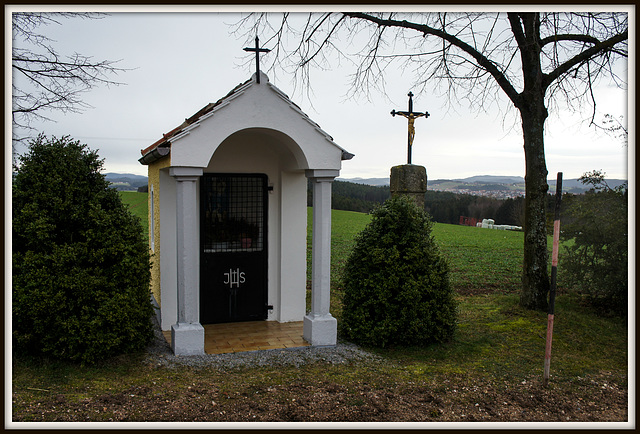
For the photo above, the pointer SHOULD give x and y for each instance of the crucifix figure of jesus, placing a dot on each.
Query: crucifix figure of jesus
(257, 50)
(411, 116)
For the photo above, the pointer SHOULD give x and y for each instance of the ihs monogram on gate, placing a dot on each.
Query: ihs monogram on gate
(234, 277)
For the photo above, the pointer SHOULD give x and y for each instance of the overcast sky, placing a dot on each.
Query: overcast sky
(179, 62)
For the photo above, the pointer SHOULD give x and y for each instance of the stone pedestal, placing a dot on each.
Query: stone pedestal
(187, 339)
(320, 330)
(410, 180)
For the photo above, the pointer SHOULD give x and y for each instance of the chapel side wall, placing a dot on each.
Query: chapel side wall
(153, 172)
(293, 250)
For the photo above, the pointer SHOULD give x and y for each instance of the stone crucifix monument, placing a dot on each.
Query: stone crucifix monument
(409, 179)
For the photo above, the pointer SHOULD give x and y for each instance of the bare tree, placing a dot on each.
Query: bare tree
(537, 60)
(43, 79)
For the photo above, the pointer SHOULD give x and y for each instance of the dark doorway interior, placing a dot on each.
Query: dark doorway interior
(233, 253)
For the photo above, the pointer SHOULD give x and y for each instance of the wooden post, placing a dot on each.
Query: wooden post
(554, 272)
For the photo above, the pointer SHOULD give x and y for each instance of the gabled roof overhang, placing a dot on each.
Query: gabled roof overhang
(162, 147)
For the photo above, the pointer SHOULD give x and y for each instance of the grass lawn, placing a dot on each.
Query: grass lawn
(491, 370)
(138, 205)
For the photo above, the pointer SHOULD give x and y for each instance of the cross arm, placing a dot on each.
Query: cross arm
(409, 114)
(257, 50)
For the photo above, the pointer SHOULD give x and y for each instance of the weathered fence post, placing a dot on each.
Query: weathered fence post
(554, 272)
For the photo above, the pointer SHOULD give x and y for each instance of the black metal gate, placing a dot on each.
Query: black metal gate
(233, 253)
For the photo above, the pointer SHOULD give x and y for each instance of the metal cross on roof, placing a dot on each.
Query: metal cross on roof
(411, 116)
(257, 50)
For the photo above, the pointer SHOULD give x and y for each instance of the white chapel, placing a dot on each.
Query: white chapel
(228, 216)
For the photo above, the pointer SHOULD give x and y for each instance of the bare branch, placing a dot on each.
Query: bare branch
(586, 55)
(482, 61)
(51, 81)
(324, 43)
(576, 38)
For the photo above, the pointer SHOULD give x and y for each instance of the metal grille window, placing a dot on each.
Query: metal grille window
(233, 213)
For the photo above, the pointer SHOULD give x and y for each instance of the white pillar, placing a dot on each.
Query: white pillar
(187, 335)
(319, 327)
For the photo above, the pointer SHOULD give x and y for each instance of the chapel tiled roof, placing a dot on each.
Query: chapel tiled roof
(162, 146)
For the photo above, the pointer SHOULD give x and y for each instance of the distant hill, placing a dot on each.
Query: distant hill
(126, 181)
(568, 185)
(490, 179)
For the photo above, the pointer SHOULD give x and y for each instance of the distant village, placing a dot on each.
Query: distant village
(496, 191)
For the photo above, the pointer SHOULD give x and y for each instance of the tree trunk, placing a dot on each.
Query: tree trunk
(535, 279)
(530, 103)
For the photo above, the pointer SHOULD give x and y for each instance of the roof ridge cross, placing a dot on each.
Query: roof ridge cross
(257, 50)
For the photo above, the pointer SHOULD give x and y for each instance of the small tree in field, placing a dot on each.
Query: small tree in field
(596, 261)
(80, 260)
(396, 284)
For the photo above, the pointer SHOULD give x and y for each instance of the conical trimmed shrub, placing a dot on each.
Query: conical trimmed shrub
(396, 283)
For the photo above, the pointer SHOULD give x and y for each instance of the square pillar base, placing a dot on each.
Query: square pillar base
(320, 330)
(187, 339)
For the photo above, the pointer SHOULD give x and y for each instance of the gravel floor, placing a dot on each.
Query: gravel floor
(159, 353)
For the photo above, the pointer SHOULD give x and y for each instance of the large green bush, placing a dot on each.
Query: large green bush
(396, 283)
(80, 260)
(595, 261)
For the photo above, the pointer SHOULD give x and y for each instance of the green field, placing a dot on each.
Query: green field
(138, 205)
(478, 258)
